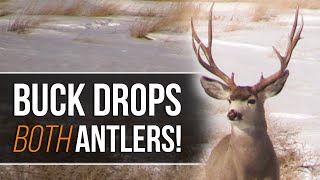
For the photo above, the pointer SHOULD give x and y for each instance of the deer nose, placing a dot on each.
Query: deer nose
(233, 115)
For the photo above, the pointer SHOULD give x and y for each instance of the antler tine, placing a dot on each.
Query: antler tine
(294, 37)
(202, 62)
(210, 29)
(210, 66)
(294, 41)
(206, 50)
(196, 38)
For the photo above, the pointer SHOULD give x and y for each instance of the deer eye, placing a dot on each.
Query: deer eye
(229, 100)
(251, 101)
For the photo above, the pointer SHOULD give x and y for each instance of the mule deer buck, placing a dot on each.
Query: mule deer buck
(247, 153)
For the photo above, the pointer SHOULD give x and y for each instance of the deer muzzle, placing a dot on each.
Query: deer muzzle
(234, 115)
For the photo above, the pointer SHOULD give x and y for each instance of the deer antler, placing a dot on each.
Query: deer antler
(211, 67)
(284, 60)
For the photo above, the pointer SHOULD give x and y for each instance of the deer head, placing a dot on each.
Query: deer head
(246, 102)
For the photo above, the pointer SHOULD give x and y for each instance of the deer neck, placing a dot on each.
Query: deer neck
(248, 132)
(250, 141)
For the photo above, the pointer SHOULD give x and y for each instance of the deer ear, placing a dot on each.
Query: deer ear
(215, 88)
(276, 87)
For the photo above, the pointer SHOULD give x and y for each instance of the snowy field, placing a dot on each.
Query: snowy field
(103, 44)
